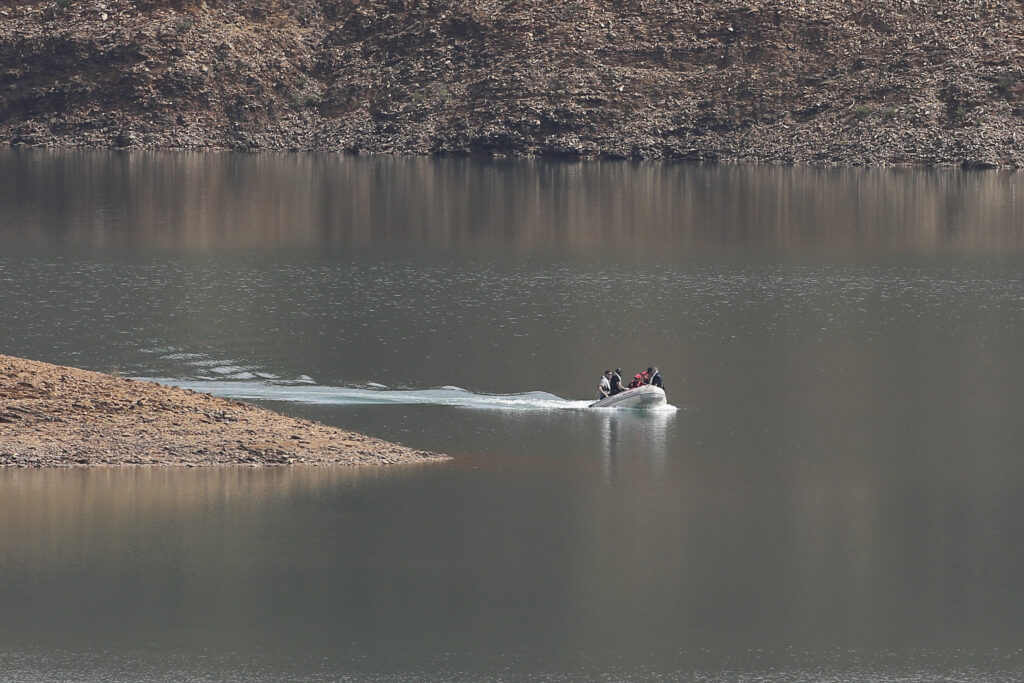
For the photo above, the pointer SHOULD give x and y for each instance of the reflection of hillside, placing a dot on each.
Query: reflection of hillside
(48, 515)
(215, 201)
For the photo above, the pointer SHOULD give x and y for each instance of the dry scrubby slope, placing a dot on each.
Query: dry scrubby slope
(880, 82)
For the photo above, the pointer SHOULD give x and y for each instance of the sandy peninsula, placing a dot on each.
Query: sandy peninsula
(54, 416)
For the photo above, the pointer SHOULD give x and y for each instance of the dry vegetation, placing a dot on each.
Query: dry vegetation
(921, 82)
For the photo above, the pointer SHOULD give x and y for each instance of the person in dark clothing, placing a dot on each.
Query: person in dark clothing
(616, 382)
(654, 377)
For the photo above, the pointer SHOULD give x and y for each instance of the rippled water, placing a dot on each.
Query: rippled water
(834, 494)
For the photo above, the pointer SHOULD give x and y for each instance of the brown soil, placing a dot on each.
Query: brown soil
(884, 82)
(53, 416)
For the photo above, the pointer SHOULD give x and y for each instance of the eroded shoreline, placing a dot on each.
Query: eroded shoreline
(56, 416)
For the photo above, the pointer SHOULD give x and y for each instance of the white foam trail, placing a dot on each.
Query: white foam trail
(327, 395)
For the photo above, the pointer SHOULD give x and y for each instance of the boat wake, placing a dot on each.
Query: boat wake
(302, 391)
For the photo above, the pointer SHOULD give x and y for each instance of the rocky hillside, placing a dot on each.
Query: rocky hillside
(922, 82)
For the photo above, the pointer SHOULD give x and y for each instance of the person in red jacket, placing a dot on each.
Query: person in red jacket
(638, 380)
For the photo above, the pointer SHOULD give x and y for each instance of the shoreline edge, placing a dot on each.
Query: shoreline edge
(58, 416)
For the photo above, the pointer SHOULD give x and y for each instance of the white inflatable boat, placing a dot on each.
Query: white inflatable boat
(645, 396)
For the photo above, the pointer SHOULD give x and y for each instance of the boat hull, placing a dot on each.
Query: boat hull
(646, 396)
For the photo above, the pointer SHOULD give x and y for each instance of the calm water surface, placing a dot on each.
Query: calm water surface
(837, 495)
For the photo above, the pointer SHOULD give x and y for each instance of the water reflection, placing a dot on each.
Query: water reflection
(201, 202)
(50, 518)
(840, 494)
(634, 434)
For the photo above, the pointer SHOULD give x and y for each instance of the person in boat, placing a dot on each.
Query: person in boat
(604, 387)
(638, 380)
(654, 377)
(616, 382)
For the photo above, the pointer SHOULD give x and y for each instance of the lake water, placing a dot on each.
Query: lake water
(838, 493)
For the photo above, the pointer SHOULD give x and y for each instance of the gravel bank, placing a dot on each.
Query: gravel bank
(53, 416)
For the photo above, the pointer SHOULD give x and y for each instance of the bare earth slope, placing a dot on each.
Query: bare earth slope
(921, 82)
(58, 416)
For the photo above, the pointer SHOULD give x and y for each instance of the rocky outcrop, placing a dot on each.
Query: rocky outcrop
(53, 416)
(888, 82)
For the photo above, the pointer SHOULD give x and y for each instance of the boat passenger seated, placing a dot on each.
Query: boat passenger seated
(604, 387)
(616, 382)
